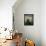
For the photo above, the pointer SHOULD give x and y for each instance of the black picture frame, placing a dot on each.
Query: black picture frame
(29, 19)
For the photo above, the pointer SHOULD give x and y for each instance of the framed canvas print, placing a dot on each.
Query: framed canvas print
(28, 19)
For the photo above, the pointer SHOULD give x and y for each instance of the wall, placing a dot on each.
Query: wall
(30, 32)
(6, 13)
(43, 22)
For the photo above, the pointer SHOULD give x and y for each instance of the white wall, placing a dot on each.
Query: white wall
(29, 7)
(6, 13)
(43, 22)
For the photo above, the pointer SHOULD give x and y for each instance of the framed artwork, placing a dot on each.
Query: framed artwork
(28, 19)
